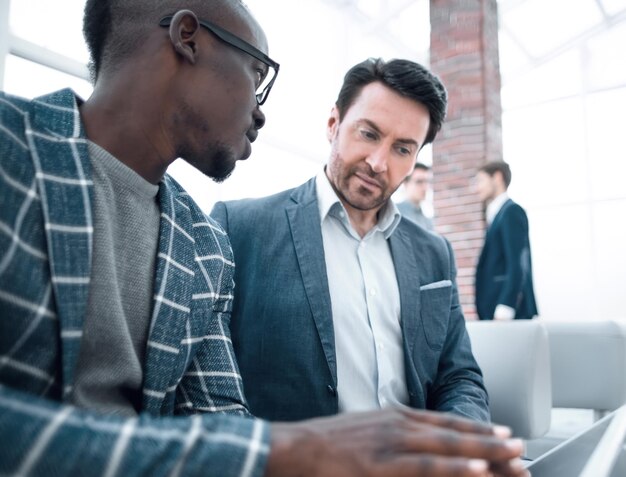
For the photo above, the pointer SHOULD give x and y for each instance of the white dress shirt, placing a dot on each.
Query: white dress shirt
(365, 304)
(494, 207)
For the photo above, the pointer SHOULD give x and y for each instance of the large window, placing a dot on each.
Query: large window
(564, 90)
(45, 47)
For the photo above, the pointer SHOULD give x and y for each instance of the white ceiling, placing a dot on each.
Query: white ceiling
(531, 31)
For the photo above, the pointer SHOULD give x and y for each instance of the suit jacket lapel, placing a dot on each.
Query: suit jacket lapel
(172, 304)
(407, 274)
(500, 213)
(491, 230)
(63, 172)
(304, 221)
(407, 261)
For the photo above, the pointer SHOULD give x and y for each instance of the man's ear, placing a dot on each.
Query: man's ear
(499, 179)
(333, 124)
(183, 30)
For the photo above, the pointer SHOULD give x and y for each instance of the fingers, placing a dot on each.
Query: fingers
(434, 466)
(447, 442)
(438, 466)
(513, 468)
(457, 423)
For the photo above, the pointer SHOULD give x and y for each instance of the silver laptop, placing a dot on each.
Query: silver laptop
(596, 452)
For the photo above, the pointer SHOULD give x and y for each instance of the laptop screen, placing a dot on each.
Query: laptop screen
(595, 452)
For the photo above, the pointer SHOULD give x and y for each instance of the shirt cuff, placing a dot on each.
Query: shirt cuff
(504, 312)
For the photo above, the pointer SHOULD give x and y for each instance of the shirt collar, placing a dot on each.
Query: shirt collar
(329, 204)
(494, 207)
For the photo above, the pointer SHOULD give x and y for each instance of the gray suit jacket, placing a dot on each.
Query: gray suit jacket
(282, 325)
(408, 210)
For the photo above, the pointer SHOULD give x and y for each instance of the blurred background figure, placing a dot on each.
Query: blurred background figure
(504, 281)
(416, 187)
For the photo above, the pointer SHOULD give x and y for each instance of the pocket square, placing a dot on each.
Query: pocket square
(439, 284)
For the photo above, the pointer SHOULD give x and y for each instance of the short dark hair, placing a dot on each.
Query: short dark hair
(418, 165)
(113, 28)
(406, 78)
(498, 166)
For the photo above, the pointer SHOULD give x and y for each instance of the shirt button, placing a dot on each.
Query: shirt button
(372, 291)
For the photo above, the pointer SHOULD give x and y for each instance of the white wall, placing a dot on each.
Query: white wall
(564, 136)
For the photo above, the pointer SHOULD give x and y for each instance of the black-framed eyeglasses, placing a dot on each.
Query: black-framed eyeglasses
(264, 87)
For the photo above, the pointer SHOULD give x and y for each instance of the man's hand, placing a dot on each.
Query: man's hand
(394, 443)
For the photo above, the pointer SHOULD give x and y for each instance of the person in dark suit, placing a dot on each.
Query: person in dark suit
(504, 278)
(341, 304)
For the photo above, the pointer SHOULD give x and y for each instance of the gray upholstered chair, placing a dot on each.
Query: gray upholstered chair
(588, 361)
(588, 364)
(515, 359)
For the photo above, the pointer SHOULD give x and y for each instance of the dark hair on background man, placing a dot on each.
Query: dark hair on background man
(406, 78)
(418, 165)
(498, 166)
(114, 29)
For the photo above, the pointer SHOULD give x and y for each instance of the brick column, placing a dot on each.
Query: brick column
(464, 53)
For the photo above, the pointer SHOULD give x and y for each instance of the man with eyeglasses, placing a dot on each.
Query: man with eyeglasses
(116, 290)
(416, 187)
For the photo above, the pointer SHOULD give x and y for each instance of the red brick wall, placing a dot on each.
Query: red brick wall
(464, 53)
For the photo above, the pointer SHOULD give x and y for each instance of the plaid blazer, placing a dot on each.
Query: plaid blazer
(46, 232)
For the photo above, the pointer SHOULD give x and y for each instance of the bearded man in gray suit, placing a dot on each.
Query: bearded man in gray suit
(341, 304)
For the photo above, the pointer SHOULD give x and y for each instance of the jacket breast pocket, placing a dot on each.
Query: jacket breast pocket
(435, 302)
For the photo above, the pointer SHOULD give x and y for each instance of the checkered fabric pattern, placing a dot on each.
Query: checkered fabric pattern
(46, 232)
